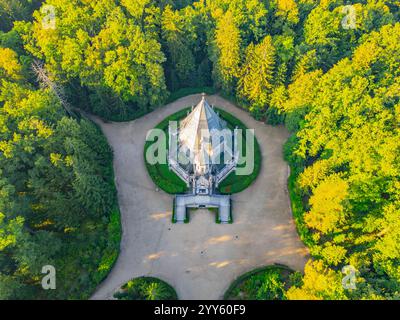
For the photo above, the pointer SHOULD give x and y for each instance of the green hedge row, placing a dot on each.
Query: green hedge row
(113, 236)
(295, 194)
(111, 252)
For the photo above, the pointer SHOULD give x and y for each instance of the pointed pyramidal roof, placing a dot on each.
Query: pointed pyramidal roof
(196, 128)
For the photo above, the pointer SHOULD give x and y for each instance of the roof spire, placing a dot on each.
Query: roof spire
(197, 128)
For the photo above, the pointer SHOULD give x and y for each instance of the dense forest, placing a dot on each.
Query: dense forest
(327, 69)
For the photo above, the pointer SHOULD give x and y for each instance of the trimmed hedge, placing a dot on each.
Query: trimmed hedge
(296, 199)
(114, 235)
(111, 252)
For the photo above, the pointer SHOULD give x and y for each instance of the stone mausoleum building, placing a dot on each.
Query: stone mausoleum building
(202, 152)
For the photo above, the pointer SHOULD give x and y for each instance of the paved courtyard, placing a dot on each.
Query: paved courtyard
(202, 258)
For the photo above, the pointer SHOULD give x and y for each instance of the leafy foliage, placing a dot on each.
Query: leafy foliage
(348, 145)
(56, 193)
(266, 283)
(297, 62)
(146, 288)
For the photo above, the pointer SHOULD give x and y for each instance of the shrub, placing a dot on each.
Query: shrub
(146, 288)
(274, 117)
(112, 250)
(266, 283)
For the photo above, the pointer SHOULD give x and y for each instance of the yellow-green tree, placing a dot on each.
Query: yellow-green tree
(319, 283)
(327, 212)
(226, 52)
(256, 78)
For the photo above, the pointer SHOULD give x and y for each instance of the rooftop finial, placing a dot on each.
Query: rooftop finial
(203, 96)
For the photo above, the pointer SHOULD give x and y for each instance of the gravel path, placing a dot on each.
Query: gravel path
(202, 258)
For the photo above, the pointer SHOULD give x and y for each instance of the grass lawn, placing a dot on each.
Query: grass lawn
(265, 283)
(172, 184)
(235, 183)
(164, 178)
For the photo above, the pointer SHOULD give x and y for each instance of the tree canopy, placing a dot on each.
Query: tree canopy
(327, 69)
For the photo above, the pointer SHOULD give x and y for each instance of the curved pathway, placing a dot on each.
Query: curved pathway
(202, 258)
